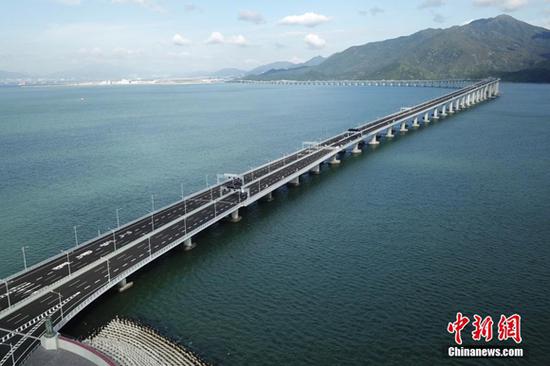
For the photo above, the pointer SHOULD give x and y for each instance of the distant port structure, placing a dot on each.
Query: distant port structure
(45, 296)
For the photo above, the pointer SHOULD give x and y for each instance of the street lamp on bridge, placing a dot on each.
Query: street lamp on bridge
(60, 302)
(24, 256)
(8, 293)
(75, 235)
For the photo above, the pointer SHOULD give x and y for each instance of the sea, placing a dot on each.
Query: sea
(364, 264)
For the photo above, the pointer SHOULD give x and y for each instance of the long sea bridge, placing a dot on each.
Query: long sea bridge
(61, 286)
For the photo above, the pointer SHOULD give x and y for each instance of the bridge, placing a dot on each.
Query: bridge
(60, 287)
(447, 83)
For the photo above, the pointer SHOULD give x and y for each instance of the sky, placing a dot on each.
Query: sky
(177, 37)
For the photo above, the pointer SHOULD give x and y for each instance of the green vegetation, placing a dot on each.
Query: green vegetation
(502, 46)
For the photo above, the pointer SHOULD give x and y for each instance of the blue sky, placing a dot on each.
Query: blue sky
(163, 37)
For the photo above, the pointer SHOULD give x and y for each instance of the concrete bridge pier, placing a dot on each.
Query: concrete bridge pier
(389, 133)
(356, 150)
(451, 106)
(235, 216)
(295, 182)
(124, 285)
(188, 244)
(415, 122)
(436, 114)
(316, 170)
(334, 160)
(426, 117)
(403, 127)
(444, 110)
(269, 197)
(374, 141)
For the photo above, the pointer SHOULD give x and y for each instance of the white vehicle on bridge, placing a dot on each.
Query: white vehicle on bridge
(57, 268)
(105, 244)
(82, 255)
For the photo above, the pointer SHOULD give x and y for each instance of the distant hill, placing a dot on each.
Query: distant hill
(228, 73)
(285, 65)
(501, 46)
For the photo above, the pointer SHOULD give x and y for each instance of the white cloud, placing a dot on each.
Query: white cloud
(218, 38)
(215, 38)
(92, 52)
(68, 2)
(306, 19)
(149, 4)
(431, 4)
(238, 40)
(314, 41)
(251, 16)
(505, 5)
(375, 10)
(297, 60)
(438, 18)
(180, 40)
(190, 7)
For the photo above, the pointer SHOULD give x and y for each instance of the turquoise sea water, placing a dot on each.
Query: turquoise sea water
(364, 264)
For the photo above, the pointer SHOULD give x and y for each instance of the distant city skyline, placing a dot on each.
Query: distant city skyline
(170, 38)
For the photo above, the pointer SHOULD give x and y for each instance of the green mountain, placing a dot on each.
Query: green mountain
(502, 46)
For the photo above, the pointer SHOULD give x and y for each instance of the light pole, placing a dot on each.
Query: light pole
(8, 293)
(108, 271)
(60, 302)
(11, 351)
(24, 256)
(117, 218)
(153, 212)
(75, 235)
(68, 261)
(114, 238)
(150, 252)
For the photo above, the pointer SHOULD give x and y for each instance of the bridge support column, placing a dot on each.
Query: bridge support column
(334, 160)
(316, 170)
(415, 122)
(444, 110)
(356, 150)
(451, 106)
(188, 244)
(124, 285)
(389, 133)
(374, 141)
(436, 112)
(235, 216)
(269, 197)
(426, 118)
(295, 182)
(403, 127)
